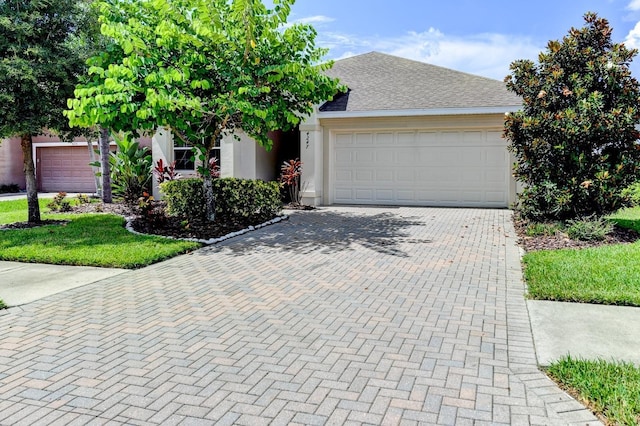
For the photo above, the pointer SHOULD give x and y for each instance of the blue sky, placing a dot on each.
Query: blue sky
(479, 37)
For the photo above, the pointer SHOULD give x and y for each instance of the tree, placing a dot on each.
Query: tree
(40, 60)
(203, 68)
(575, 139)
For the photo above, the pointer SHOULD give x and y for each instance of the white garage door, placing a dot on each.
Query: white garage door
(65, 169)
(420, 167)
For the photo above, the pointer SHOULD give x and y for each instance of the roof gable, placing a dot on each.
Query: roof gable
(379, 82)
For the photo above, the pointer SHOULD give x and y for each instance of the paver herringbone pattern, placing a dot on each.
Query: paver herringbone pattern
(337, 316)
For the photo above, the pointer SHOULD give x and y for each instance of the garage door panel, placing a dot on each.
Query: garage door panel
(344, 140)
(407, 157)
(384, 196)
(405, 176)
(406, 196)
(363, 139)
(364, 156)
(344, 176)
(364, 195)
(406, 139)
(384, 139)
(496, 197)
(364, 176)
(384, 156)
(384, 176)
(496, 157)
(421, 167)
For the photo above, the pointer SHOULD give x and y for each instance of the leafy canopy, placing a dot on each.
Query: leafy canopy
(202, 68)
(575, 139)
(41, 58)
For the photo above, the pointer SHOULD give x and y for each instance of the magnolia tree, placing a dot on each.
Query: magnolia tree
(575, 139)
(202, 68)
(42, 53)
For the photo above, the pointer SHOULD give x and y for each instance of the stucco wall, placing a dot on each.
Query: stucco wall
(11, 163)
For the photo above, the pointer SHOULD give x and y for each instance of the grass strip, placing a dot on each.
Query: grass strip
(610, 389)
(604, 275)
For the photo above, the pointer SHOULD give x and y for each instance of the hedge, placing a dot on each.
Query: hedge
(234, 198)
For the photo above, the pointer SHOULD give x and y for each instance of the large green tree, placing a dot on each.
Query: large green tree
(202, 68)
(575, 139)
(41, 57)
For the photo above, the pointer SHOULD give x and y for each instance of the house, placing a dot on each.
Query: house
(405, 133)
(409, 133)
(60, 166)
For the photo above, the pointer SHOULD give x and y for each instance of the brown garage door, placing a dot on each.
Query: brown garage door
(64, 169)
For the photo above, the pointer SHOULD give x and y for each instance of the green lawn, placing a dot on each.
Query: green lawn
(607, 274)
(627, 218)
(16, 210)
(609, 389)
(89, 240)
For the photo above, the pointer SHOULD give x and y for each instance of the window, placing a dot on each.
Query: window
(215, 153)
(184, 157)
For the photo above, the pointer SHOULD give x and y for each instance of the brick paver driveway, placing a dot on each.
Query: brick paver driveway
(342, 315)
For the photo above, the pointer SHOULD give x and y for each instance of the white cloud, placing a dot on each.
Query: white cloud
(314, 20)
(634, 5)
(488, 55)
(632, 41)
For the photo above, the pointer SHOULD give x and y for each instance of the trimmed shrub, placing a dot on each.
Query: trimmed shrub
(589, 229)
(9, 188)
(184, 197)
(234, 198)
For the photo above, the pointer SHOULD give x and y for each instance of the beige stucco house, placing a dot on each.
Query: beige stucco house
(406, 133)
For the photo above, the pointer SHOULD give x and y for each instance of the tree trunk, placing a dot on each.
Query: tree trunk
(209, 198)
(103, 142)
(30, 176)
(92, 158)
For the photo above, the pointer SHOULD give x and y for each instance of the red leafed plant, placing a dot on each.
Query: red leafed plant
(164, 173)
(290, 172)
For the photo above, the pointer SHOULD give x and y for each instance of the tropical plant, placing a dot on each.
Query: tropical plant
(165, 172)
(130, 169)
(575, 139)
(203, 69)
(59, 203)
(290, 173)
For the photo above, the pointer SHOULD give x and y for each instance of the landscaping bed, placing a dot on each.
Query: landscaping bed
(170, 226)
(561, 240)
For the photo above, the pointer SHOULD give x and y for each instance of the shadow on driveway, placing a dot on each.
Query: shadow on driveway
(332, 231)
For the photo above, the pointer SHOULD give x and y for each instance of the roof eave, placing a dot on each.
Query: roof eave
(419, 112)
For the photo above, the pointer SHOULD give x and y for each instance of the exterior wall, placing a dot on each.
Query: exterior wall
(246, 159)
(11, 169)
(312, 157)
(325, 126)
(243, 158)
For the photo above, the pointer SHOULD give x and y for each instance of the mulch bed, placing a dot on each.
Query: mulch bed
(158, 224)
(561, 240)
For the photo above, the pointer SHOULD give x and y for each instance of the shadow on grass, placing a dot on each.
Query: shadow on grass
(331, 231)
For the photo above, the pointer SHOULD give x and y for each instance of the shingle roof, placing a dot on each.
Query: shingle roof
(378, 81)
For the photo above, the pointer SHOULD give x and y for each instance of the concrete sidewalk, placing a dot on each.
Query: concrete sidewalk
(584, 331)
(22, 283)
